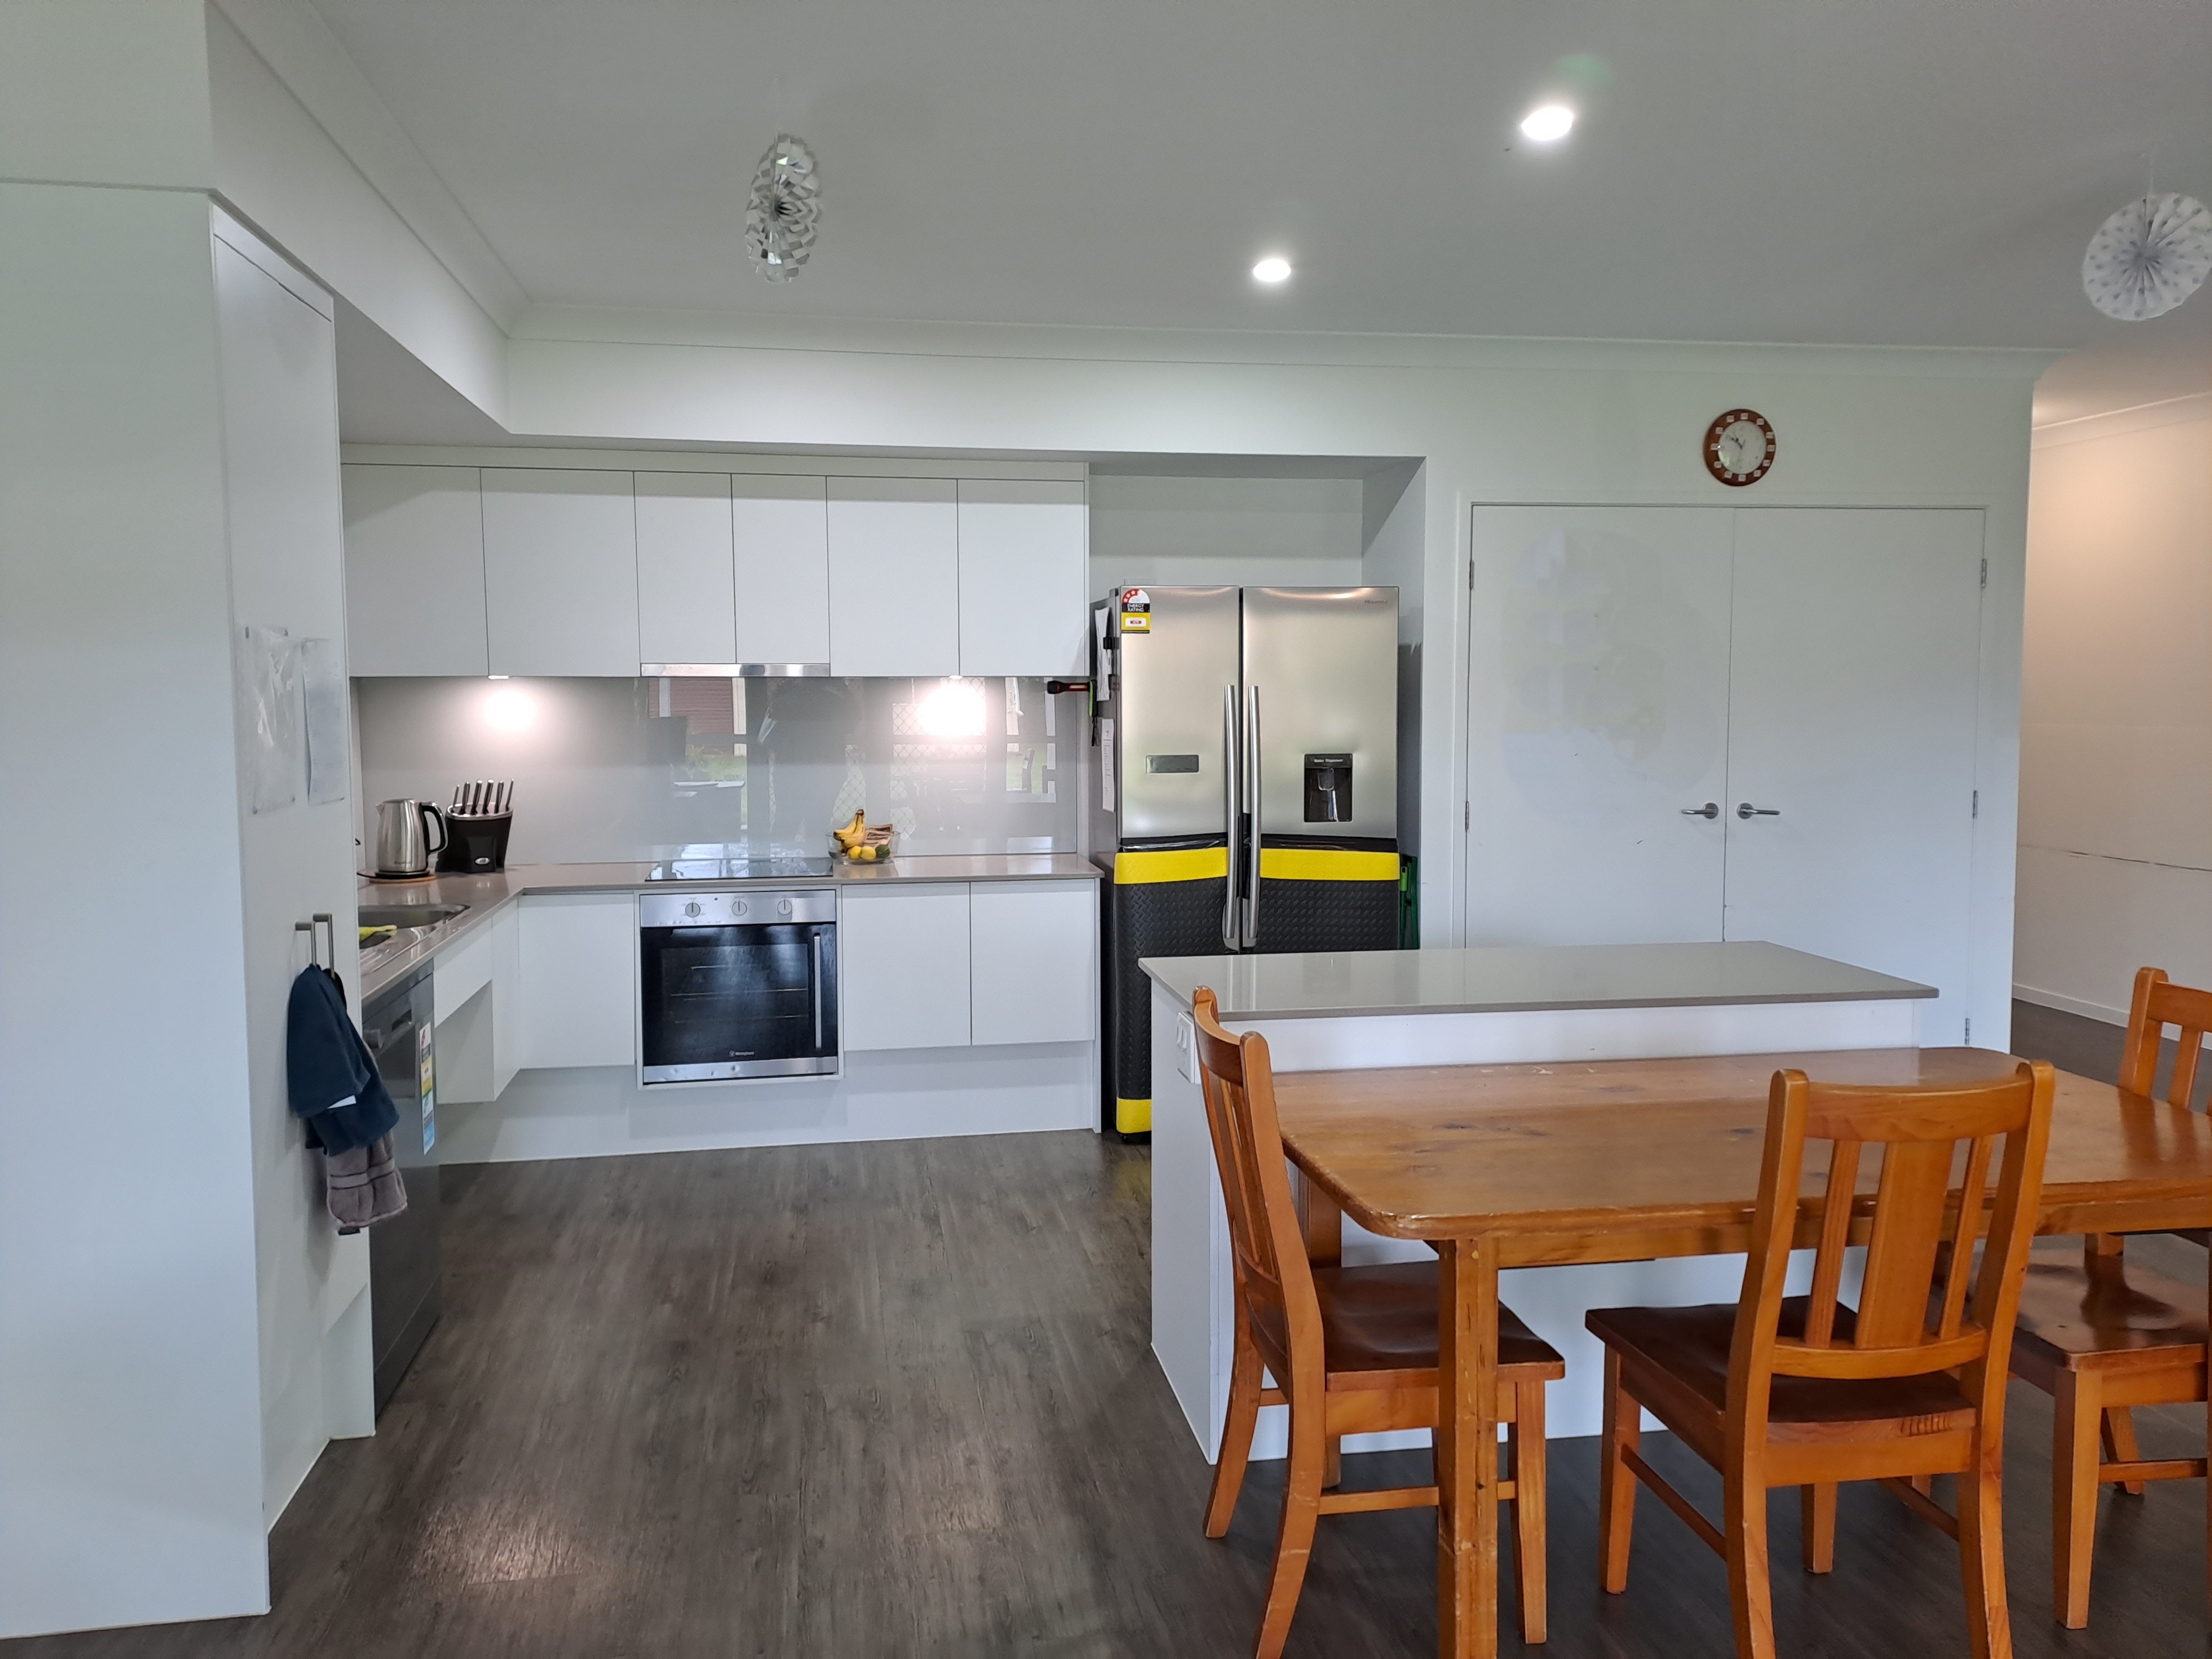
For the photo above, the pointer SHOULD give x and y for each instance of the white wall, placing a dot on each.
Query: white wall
(1190, 532)
(129, 1392)
(1486, 415)
(2116, 719)
(278, 167)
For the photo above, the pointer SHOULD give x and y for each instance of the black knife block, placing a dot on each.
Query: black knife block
(476, 844)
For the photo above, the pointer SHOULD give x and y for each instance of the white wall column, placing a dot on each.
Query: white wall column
(130, 1436)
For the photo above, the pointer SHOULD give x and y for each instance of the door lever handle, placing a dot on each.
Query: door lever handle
(1711, 809)
(1745, 810)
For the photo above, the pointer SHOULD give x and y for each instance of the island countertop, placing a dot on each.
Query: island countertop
(1501, 979)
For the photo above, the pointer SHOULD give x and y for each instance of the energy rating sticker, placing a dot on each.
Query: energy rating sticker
(1136, 610)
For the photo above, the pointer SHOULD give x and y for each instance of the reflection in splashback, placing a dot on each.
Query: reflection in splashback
(611, 770)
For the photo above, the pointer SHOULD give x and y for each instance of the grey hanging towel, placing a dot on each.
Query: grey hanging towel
(362, 1186)
(349, 1115)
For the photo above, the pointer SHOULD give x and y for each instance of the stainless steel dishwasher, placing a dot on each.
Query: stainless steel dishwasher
(405, 1262)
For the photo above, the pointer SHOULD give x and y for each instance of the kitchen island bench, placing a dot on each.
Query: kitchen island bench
(1340, 1010)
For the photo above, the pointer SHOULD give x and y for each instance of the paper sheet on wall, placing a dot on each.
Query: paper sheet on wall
(269, 692)
(323, 691)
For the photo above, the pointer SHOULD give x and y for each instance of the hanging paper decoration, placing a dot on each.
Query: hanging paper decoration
(2148, 257)
(783, 214)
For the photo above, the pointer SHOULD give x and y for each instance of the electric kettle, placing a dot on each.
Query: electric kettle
(404, 843)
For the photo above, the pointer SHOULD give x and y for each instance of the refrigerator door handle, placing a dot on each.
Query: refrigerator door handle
(1251, 929)
(1230, 765)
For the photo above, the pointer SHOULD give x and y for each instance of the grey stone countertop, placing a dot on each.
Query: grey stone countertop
(485, 896)
(1499, 979)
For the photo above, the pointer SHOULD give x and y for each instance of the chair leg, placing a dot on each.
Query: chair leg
(1981, 1554)
(2120, 1443)
(2073, 1496)
(1616, 1482)
(1529, 1522)
(1818, 1506)
(1236, 1438)
(1332, 1463)
(1294, 1547)
(1743, 1530)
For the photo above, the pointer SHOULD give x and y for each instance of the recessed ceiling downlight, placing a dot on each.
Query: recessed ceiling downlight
(1548, 124)
(1272, 269)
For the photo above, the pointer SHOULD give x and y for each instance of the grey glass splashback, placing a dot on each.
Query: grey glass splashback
(617, 770)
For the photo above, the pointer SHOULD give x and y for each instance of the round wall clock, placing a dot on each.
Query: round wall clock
(1739, 447)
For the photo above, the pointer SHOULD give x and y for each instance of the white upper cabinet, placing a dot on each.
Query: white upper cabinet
(1024, 551)
(414, 570)
(686, 595)
(782, 535)
(894, 577)
(559, 551)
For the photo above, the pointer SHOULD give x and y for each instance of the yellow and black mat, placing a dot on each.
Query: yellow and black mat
(1167, 902)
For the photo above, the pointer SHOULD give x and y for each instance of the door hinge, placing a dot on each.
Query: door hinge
(1470, 575)
(1969, 1033)
(1976, 812)
(1985, 573)
(1467, 815)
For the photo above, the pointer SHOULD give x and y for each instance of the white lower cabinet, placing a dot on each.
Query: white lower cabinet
(1033, 961)
(902, 959)
(578, 960)
(951, 965)
(505, 998)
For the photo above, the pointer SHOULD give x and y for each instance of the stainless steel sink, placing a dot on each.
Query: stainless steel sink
(408, 915)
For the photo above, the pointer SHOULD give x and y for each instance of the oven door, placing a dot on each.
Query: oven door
(737, 1000)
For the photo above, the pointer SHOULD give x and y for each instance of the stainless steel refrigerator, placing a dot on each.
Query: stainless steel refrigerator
(1244, 787)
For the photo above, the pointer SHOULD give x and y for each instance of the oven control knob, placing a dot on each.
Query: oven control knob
(692, 909)
(783, 907)
(738, 906)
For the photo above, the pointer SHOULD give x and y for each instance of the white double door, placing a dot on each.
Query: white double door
(1749, 723)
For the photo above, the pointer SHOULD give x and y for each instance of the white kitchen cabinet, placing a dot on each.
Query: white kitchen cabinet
(461, 971)
(902, 959)
(414, 570)
(894, 577)
(686, 594)
(782, 542)
(505, 998)
(1855, 677)
(559, 571)
(1033, 949)
(578, 956)
(1025, 578)
(1599, 689)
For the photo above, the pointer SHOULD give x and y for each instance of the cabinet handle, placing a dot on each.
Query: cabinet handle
(1745, 810)
(1232, 766)
(1711, 809)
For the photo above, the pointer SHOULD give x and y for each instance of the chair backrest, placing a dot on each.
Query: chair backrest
(1267, 1244)
(2158, 1004)
(1925, 1135)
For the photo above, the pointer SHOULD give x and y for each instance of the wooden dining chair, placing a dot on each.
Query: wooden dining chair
(1352, 1350)
(1807, 1392)
(2107, 1334)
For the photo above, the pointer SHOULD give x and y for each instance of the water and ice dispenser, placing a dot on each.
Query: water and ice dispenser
(1328, 789)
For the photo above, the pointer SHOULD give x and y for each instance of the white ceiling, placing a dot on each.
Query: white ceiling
(1919, 172)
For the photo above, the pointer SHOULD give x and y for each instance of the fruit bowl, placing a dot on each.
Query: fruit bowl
(862, 842)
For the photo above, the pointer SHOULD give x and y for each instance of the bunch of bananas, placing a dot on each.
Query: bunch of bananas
(864, 842)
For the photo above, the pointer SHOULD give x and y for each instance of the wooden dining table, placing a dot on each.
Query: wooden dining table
(1535, 1165)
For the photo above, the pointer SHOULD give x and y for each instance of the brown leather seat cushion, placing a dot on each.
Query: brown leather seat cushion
(1384, 1318)
(2069, 1310)
(1692, 1344)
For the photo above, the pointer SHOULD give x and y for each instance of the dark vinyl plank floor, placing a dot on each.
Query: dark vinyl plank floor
(898, 1399)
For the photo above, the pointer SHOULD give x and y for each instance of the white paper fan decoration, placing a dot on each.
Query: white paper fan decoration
(2148, 257)
(782, 214)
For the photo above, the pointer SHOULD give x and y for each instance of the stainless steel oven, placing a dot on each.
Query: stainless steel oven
(736, 984)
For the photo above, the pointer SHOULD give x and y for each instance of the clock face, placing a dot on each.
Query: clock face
(1739, 447)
